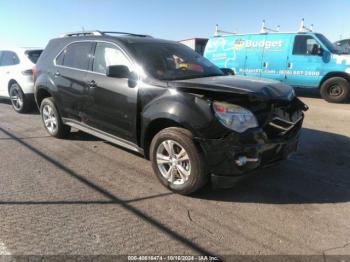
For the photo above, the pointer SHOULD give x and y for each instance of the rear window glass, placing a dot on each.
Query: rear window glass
(8, 58)
(34, 55)
(76, 55)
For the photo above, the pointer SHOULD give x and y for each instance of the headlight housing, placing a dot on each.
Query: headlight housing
(234, 117)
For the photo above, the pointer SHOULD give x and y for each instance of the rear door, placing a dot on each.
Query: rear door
(275, 56)
(112, 105)
(304, 67)
(70, 78)
(254, 45)
(9, 60)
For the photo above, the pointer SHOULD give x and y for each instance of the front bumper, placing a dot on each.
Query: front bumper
(237, 155)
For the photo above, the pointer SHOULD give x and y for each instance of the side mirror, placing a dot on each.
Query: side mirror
(326, 56)
(118, 71)
(227, 71)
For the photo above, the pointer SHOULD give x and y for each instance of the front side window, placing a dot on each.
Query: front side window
(305, 45)
(172, 61)
(108, 55)
(76, 55)
(9, 58)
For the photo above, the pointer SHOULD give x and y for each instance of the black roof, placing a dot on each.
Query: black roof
(125, 39)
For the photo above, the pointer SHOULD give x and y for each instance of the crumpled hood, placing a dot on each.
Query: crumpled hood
(255, 87)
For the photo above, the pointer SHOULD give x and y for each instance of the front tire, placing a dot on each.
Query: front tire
(20, 103)
(177, 161)
(52, 120)
(335, 90)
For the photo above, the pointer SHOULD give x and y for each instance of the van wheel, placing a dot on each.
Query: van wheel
(52, 120)
(177, 162)
(18, 100)
(335, 90)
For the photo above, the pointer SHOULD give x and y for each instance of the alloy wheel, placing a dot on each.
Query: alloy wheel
(16, 98)
(173, 162)
(50, 119)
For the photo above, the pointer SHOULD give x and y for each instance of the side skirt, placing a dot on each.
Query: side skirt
(103, 135)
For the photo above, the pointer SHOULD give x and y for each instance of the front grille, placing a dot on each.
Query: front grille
(284, 125)
(283, 121)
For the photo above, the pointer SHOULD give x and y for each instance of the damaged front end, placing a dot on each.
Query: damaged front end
(233, 156)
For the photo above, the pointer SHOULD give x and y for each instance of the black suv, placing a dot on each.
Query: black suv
(168, 103)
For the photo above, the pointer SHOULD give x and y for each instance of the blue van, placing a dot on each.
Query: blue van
(305, 59)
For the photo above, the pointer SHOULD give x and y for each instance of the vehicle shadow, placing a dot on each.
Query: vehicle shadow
(78, 135)
(82, 136)
(33, 111)
(319, 173)
(5, 101)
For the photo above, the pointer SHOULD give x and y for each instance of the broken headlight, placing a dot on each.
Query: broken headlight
(234, 117)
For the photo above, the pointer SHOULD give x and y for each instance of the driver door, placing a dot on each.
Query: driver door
(112, 105)
(304, 65)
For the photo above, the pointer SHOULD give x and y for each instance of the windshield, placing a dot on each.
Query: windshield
(343, 46)
(330, 46)
(172, 61)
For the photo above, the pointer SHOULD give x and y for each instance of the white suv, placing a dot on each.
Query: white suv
(16, 76)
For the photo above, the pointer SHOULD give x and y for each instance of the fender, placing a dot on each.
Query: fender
(42, 83)
(188, 110)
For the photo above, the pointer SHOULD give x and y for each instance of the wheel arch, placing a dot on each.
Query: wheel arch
(153, 128)
(335, 74)
(10, 83)
(41, 94)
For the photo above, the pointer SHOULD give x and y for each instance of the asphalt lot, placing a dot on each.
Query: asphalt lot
(85, 196)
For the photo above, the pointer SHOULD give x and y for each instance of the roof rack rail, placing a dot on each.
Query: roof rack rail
(101, 33)
(266, 30)
(304, 29)
(82, 33)
(123, 33)
(218, 31)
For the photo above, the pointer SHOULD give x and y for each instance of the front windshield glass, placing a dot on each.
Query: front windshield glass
(330, 46)
(172, 61)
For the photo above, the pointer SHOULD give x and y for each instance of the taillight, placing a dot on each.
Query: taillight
(28, 72)
(34, 73)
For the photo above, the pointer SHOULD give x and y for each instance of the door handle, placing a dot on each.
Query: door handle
(264, 64)
(290, 65)
(92, 84)
(57, 74)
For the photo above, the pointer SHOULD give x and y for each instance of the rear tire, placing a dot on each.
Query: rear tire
(177, 161)
(20, 103)
(335, 90)
(52, 120)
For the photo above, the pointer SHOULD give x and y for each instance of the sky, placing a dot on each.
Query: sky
(32, 23)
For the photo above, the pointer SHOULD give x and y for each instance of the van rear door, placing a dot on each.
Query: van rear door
(305, 65)
(275, 56)
(254, 45)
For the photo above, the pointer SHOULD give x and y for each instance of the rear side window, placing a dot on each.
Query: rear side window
(76, 55)
(304, 45)
(34, 55)
(8, 58)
